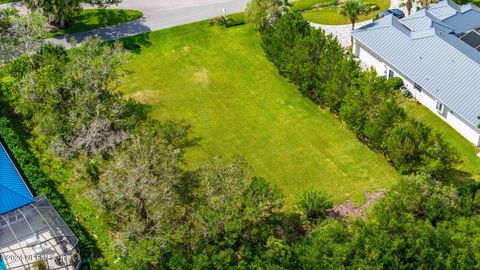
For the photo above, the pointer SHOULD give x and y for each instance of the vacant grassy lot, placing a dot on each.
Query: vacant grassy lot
(330, 15)
(466, 150)
(89, 19)
(220, 82)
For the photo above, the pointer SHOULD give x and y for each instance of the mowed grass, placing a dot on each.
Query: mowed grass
(219, 81)
(466, 150)
(300, 5)
(331, 15)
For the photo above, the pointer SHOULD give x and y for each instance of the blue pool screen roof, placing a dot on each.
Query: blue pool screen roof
(13, 191)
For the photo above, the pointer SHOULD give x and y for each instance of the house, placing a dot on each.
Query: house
(32, 233)
(436, 52)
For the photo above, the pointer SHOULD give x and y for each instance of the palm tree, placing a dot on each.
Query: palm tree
(408, 5)
(352, 9)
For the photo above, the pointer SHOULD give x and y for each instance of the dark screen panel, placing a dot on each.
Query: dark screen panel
(472, 39)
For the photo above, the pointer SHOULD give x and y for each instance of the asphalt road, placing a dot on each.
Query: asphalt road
(158, 14)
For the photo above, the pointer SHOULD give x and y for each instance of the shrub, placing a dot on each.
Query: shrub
(40, 265)
(396, 82)
(219, 20)
(235, 19)
(314, 204)
(230, 21)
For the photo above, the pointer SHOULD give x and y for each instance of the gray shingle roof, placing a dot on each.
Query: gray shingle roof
(425, 48)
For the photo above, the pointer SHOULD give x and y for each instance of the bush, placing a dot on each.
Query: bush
(219, 20)
(396, 82)
(314, 204)
(235, 19)
(40, 265)
(229, 21)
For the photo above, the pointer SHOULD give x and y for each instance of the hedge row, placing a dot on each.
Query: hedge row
(40, 183)
(367, 103)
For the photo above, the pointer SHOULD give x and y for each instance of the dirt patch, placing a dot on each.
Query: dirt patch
(349, 209)
(145, 97)
(201, 77)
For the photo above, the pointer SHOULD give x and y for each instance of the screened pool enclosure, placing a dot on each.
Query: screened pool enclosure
(32, 233)
(36, 237)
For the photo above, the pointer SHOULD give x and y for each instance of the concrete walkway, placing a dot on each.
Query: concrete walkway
(343, 32)
(158, 14)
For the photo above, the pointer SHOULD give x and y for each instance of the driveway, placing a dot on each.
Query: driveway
(159, 14)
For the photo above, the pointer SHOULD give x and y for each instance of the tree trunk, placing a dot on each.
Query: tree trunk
(351, 36)
(63, 23)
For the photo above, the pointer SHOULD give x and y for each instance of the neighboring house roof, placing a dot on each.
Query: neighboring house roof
(427, 49)
(13, 191)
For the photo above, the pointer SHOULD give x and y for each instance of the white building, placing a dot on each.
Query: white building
(436, 52)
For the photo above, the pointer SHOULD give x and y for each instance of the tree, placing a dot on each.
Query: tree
(138, 187)
(231, 203)
(363, 100)
(352, 9)
(20, 34)
(279, 42)
(72, 98)
(264, 13)
(415, 148)
(408, 4)
(62, 12)
(232, 219)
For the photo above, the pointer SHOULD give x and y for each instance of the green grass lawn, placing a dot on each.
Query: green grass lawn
(90, 19)
(219, 81)
(330, 15)
(301, 5)
(466, 150)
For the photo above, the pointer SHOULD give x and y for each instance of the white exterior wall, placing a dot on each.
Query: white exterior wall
(371, 61)
(467, 132)
(367, 58)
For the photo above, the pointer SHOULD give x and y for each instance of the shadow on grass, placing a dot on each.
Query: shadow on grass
(135, 43)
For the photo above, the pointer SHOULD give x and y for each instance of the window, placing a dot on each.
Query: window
(391, 74)
(439, 107)
(417, 87)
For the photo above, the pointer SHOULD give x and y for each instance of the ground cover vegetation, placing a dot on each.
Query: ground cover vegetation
(216, 215)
